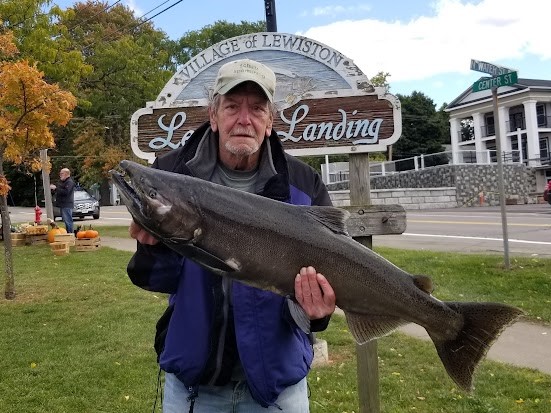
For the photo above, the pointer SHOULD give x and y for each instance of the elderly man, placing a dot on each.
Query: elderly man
(224, 346)
(64, 197)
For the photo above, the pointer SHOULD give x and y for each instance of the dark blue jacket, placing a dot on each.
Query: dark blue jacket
(274, 353)
(64, 193)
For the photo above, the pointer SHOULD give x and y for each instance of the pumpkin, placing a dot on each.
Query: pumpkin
(81, 234)
(55, 231)
(91, 233)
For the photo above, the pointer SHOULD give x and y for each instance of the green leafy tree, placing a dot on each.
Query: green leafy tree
(131, 64)
(195, 41)
(422, 127)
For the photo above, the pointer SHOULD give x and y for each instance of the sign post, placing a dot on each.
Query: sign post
(502, 77)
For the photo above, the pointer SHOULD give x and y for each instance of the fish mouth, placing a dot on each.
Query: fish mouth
(131, 197)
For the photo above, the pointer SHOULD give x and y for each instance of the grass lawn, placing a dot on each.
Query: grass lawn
(78, 338)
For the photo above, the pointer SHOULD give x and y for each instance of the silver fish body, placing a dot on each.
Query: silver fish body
(263, 243)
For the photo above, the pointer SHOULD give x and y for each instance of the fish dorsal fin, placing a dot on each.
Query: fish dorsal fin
(333, 218)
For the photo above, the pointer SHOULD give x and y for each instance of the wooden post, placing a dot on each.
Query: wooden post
(367, 360)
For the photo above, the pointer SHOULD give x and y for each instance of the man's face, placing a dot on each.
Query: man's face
(242, 119)
(63, 175)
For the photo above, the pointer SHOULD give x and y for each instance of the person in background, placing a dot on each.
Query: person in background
(225, 346)
(64, 197)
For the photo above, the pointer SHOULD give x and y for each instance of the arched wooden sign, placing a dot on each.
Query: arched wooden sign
(326, 105)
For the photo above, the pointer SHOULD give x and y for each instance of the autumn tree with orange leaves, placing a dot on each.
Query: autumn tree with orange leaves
(28, 107)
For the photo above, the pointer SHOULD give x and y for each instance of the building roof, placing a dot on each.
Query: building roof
(522, 84)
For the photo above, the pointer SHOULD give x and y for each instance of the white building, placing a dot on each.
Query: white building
(524, 114)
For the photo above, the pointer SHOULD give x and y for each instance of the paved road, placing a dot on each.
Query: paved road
(476, 230)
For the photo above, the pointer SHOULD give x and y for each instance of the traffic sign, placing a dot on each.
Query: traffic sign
(507, 79)
(489, 68)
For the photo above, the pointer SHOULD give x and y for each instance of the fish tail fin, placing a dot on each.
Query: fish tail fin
(483, 323)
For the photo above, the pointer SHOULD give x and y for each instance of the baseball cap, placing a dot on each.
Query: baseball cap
(245, 70)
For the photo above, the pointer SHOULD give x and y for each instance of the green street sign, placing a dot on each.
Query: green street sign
(506, 79)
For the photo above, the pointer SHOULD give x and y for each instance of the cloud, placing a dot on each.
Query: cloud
(443, 42)
(333, 11)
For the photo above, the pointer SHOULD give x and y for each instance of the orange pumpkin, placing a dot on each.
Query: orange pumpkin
(81, 234)
(55, 231)
(91, 233)
(88, 233)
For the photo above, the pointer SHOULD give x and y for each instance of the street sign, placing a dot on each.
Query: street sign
(491, 69)
(507, 79)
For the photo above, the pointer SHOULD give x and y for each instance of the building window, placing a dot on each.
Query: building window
(489, 129)
(545, 155)
(516, 121)
(540, 113)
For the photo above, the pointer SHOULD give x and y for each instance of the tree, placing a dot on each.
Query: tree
(380, 79)
(422, 131)
(28, 106)
(131, 63)
(194, 42)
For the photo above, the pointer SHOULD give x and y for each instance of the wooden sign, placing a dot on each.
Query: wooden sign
(325, 104)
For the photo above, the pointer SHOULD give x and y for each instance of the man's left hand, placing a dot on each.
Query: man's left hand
(314, 293)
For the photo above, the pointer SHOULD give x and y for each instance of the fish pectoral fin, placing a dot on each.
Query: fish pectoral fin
(367, 327)
(300, 317)
(203, 258)
(331, 217)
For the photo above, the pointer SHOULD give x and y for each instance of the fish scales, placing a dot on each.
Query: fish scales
(263, 243)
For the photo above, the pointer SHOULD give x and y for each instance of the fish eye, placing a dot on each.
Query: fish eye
(152, 193)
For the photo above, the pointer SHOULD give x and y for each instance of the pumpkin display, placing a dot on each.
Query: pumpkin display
(55, 230)
(87, 233)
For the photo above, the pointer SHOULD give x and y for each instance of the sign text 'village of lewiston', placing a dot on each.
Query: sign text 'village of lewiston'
(326, 105)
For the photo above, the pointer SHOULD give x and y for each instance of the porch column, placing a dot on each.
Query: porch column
(532, 134)
(503, 119)
(478, 122)
(455, 127)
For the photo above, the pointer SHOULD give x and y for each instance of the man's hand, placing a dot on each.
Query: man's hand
(314, 293)
(140, 234)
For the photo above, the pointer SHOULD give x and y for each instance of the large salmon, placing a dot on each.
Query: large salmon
(263, 243)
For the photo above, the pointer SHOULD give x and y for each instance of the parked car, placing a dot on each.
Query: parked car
(547, 193)
(85, 205)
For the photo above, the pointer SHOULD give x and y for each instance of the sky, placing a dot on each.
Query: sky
(425, 45)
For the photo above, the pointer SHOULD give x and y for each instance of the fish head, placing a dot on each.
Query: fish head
(157, 201)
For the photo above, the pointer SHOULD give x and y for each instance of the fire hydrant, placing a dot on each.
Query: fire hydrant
(37, 214)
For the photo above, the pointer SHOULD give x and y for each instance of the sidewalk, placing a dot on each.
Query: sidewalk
(523, 344)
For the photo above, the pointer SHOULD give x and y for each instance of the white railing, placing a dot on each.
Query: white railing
(415, 163)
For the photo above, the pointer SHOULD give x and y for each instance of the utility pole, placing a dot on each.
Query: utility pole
(271, 21)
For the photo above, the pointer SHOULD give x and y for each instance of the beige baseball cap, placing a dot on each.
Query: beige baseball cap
(245, 70)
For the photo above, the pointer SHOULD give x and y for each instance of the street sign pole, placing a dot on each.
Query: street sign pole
(500, 182)
(502, 76)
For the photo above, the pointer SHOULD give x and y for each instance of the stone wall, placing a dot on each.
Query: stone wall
(448, 186)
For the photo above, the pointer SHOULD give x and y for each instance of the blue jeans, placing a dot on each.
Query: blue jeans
(231, 398)
(67, 217)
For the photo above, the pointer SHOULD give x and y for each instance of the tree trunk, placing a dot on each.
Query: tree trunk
(9, 284)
